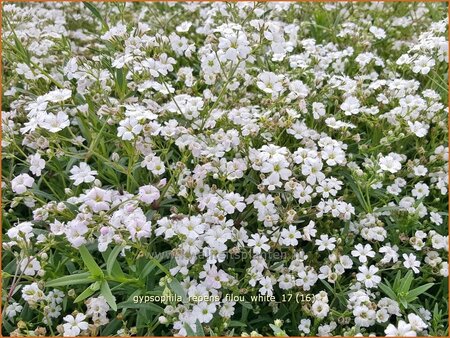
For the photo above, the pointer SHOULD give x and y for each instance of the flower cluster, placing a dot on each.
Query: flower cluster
(225, 169)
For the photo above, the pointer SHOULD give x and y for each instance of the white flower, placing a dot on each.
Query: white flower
(97, 308)
(419, 128)
(20, 183)
(390, 253)
(325, 243)
(75, 233)
(379, 33)
(258, 243)
(36, 164)
(82, 174)
(188, 106)
(178, 44)
(411, 262)
(233, 46)
(239, 127)
(20, 231)
(362, 252)
(351, 106)
(420, 170)
(388, 163)
(266, 286)
(55, 122)
(98, 199)
(320, 309)
(438, 241)
(148, 194)
(58, 95)
(382, 316)
(402, 330)
(420, 190)
(56, 296)
(227, 310)
(364, 316)
(299, 89)
(368, 276)
(13, 309)
(318, 110)
(436, 218)
(423, 65)
(305, 326)
(29, 266)
(184, 26)
(129, 128)
(290, 236)
(403, 59)
(74, 325)
(117, 31)
(417, 323)
(32, 294)
(204, 312)
(154, 164)
(270, 83)
(312, 170)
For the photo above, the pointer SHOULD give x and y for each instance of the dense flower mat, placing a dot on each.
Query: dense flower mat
(225, 169)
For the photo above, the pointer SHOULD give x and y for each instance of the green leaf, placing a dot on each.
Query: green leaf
(23, 51)
(413, 294)
(189, 331)
(112, 261)
(403, 302)
(121, 82)
(199, 329)
(70, 164)
(83, 129)
(388, 291)
(176, 287)
(406, 283)
(97, 14)
(277, 330)
(88, 292)
(246, 305)
(111, 328)
(81, 278)
(8, 326)
(147, 306)
(397, 281)
(90, 262)
(357, 191)
(98, 137)
(105, 291)
(43, 194)
(236, 323)
(147, 269)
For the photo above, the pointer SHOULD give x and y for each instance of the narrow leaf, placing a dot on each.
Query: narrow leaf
(418, 291)
(407, 280)
(147, 306)
(199, 329)
(97, 14)
(147, 269)
(106, 292)
(388, 291)
(189, 331)
(85, 294)
(177, 288)
(82, 278)
(112, 259)
(90, 262)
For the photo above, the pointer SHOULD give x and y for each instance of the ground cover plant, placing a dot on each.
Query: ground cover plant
(225, 169)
